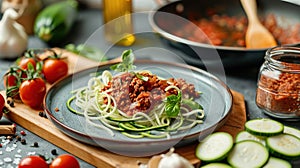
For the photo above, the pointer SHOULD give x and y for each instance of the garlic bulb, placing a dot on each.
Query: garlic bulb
(13, 38)
(173, 160)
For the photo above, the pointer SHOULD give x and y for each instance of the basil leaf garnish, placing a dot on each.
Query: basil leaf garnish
(172, 107)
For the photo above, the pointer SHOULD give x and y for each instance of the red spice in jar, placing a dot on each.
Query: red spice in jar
(279, 92)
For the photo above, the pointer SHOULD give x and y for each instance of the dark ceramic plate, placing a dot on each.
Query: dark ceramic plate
(216, 100)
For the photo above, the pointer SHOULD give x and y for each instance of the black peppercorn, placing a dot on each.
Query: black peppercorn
(42, 114)
(53, 152)
(18, 138)
(35, 144)
(23, 141)
(10, 102)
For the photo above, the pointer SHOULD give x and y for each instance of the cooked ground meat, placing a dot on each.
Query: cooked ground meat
(133, 94)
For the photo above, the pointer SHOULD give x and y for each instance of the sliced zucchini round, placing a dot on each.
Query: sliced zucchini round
(284, 146)
(216, 165)
(292, 131)
(214, 147)
(244, 135)
(277, 163)
(264, 127)
(248, 153)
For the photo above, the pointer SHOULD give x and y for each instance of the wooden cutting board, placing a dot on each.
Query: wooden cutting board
(97, 156)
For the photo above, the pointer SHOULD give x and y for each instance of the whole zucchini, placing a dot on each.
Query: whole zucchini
(54, 22)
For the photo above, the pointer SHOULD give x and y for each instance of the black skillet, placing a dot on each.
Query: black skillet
(174, 15)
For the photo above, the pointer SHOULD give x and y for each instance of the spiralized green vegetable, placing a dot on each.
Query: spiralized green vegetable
(154, 124)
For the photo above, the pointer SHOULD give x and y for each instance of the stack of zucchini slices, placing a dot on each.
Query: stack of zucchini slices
(264, 143)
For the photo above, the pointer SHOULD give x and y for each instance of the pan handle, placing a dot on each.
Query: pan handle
(297, 45)
(292, 45)
(162, 2)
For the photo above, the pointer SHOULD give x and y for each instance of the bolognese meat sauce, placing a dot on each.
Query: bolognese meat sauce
(133, 94)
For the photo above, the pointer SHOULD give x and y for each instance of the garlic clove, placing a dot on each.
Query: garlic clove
(175, 161)
(169, 160)
(14, 39)
(11, 14)
(154, 161)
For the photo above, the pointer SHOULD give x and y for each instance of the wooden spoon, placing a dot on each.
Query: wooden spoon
(257, 36)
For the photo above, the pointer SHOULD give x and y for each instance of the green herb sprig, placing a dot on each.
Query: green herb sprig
(126, 64)
(172, 107)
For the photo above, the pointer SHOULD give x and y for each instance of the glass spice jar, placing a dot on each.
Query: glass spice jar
(278, 91)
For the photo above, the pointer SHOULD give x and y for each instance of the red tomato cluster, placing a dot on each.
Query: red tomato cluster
(27, 79)
(62, 161)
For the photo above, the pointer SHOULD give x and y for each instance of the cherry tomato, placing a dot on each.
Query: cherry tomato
(65, 161)
(54, 69)
(23, 64)
(33, 162)
(32, 92)
(2, 103)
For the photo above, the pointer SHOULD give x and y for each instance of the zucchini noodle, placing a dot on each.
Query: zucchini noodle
(100, 109)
